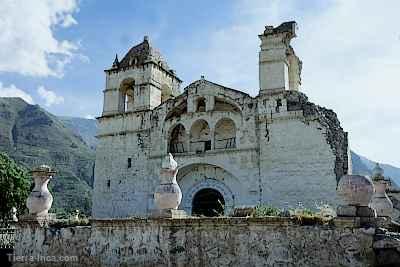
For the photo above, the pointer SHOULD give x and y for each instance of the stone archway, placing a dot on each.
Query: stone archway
(208, 183)
(208, 202)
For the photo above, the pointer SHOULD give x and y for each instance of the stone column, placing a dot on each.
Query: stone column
(168, 194)
(380, 201)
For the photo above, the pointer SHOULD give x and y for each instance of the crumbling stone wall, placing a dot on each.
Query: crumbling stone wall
(336, 137)
(286, 150)
(200, 242)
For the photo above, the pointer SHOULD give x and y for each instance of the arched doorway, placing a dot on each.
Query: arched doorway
(208, 202)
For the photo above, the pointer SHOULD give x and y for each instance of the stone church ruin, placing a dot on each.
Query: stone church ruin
(232, 149)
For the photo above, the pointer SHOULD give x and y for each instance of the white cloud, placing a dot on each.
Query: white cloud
(27, 41)
(50, 97)
(13, 91)
(350, 50)
(89, 117)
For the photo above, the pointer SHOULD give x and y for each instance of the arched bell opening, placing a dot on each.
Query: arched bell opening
(126, 95)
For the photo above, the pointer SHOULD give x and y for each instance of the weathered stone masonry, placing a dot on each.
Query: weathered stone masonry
(201, 242)
(275, 148)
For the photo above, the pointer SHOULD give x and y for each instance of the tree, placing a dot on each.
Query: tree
(14, 187)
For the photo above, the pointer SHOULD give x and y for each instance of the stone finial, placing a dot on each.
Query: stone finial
(75, 215)
(377, 172)
(40, 199)
(14, 217)
(380, 200)
(116, 62)
(168, 194)
(355, 190)
(146, 38)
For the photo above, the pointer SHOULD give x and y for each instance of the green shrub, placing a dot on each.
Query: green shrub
(263, 210)
(14, 187)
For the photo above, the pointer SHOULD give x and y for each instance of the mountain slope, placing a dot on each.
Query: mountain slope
(32, 136)
(86, 128)
(389, 170)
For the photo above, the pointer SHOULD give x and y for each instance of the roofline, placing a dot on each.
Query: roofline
(228, 88)
(148, 62)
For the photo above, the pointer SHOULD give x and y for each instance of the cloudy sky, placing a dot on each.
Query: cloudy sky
(53, 53)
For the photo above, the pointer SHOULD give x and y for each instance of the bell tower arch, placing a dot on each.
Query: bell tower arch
(142, 80)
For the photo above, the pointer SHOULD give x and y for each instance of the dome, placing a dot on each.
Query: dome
(377, 172)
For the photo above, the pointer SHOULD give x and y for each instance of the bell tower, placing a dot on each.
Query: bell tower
(142, 80)
(279, 67)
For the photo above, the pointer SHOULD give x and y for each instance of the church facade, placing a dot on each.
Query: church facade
(232, 149)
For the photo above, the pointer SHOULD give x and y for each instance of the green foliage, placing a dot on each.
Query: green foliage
(303, 212)
(263, 210)
(31, 136)
(14, 187)
(299, 215)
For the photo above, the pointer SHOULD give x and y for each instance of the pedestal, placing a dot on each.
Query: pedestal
(42, 220)
(168, 213)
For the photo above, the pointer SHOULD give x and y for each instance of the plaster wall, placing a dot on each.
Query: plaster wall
(280, 157)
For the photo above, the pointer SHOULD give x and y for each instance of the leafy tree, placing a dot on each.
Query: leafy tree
(14, 187)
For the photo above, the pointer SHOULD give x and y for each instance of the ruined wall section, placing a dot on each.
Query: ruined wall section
(200, 242)
(336, 137)
(303, 151)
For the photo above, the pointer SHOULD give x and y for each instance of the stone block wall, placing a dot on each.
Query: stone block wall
(286, 150)
(270, 241)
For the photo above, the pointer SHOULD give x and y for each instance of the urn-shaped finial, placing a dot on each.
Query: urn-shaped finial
(380, 200)
(168, 195)
(40, 199)
(377, 172)
(14, 217)
(356, 190)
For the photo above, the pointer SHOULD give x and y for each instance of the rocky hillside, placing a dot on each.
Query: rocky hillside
(32, 136)
(86, 128)
(364, 166)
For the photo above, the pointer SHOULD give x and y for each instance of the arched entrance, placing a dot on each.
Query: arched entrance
(208, 202)
(193, 178)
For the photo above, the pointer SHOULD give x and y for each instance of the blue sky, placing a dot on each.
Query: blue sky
(54, 53)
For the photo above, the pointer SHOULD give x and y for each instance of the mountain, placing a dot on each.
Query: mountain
(86, 128)
(390, 171)
(32, 136)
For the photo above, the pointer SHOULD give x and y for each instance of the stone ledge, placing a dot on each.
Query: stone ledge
(206, 222)
(40, 221)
